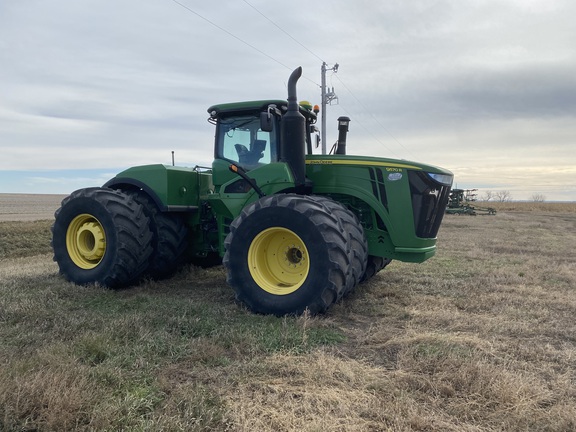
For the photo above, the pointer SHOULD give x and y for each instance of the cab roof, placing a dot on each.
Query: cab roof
(256, 106)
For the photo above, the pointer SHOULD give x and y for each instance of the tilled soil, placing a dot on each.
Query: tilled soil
(28, 207)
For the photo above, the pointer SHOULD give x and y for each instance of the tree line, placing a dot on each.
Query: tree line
(506, 196)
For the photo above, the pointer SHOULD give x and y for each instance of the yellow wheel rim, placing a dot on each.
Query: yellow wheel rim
(278, 261)
(86, 241)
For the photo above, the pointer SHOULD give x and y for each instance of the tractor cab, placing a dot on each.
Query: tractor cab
(248, 136)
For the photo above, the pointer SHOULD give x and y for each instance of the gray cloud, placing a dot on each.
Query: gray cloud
(467, 85)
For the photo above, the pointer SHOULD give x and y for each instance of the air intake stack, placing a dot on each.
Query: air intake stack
(343, 123)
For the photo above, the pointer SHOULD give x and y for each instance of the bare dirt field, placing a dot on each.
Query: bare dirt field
(28, 207)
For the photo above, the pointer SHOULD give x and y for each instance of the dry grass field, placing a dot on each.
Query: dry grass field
(482, 337)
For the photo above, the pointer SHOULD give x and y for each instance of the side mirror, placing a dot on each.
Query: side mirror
(266, 122)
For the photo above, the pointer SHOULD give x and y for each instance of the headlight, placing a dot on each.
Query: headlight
(445, 179)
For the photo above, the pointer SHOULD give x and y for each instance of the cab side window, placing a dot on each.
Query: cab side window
(241, 140)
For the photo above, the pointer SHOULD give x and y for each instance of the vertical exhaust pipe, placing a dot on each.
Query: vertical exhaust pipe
(293, 142)
(343, 123)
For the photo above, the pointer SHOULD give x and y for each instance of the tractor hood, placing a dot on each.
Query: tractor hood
(368, 161)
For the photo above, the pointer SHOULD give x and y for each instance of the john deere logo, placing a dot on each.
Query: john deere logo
(394, 176)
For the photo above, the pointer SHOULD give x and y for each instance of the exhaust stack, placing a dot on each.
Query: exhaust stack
(292, 147)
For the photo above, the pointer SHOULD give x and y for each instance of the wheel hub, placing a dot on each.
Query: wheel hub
(278, 261)
(90, 241)
(86, 241)
(294, 255)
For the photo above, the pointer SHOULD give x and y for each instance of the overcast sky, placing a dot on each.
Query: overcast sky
(486, 89)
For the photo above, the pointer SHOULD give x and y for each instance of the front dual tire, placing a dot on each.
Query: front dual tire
(286, 254)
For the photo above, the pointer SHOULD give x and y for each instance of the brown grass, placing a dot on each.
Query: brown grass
(515, 206)
(25, 239)
(479, 338)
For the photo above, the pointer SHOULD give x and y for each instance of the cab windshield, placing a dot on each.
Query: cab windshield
(240, 140)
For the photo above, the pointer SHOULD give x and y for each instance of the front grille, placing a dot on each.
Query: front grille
(429, 200)
(379, 191)
(378, 187)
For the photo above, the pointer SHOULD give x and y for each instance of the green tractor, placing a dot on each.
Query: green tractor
(295, 231)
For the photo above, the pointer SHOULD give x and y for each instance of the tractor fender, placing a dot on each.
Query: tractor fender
(173, 189)
(130, 184)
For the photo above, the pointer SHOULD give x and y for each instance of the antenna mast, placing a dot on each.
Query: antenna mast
(327, 97)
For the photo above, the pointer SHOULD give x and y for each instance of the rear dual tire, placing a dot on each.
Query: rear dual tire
(102, 236)
(169, 237)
